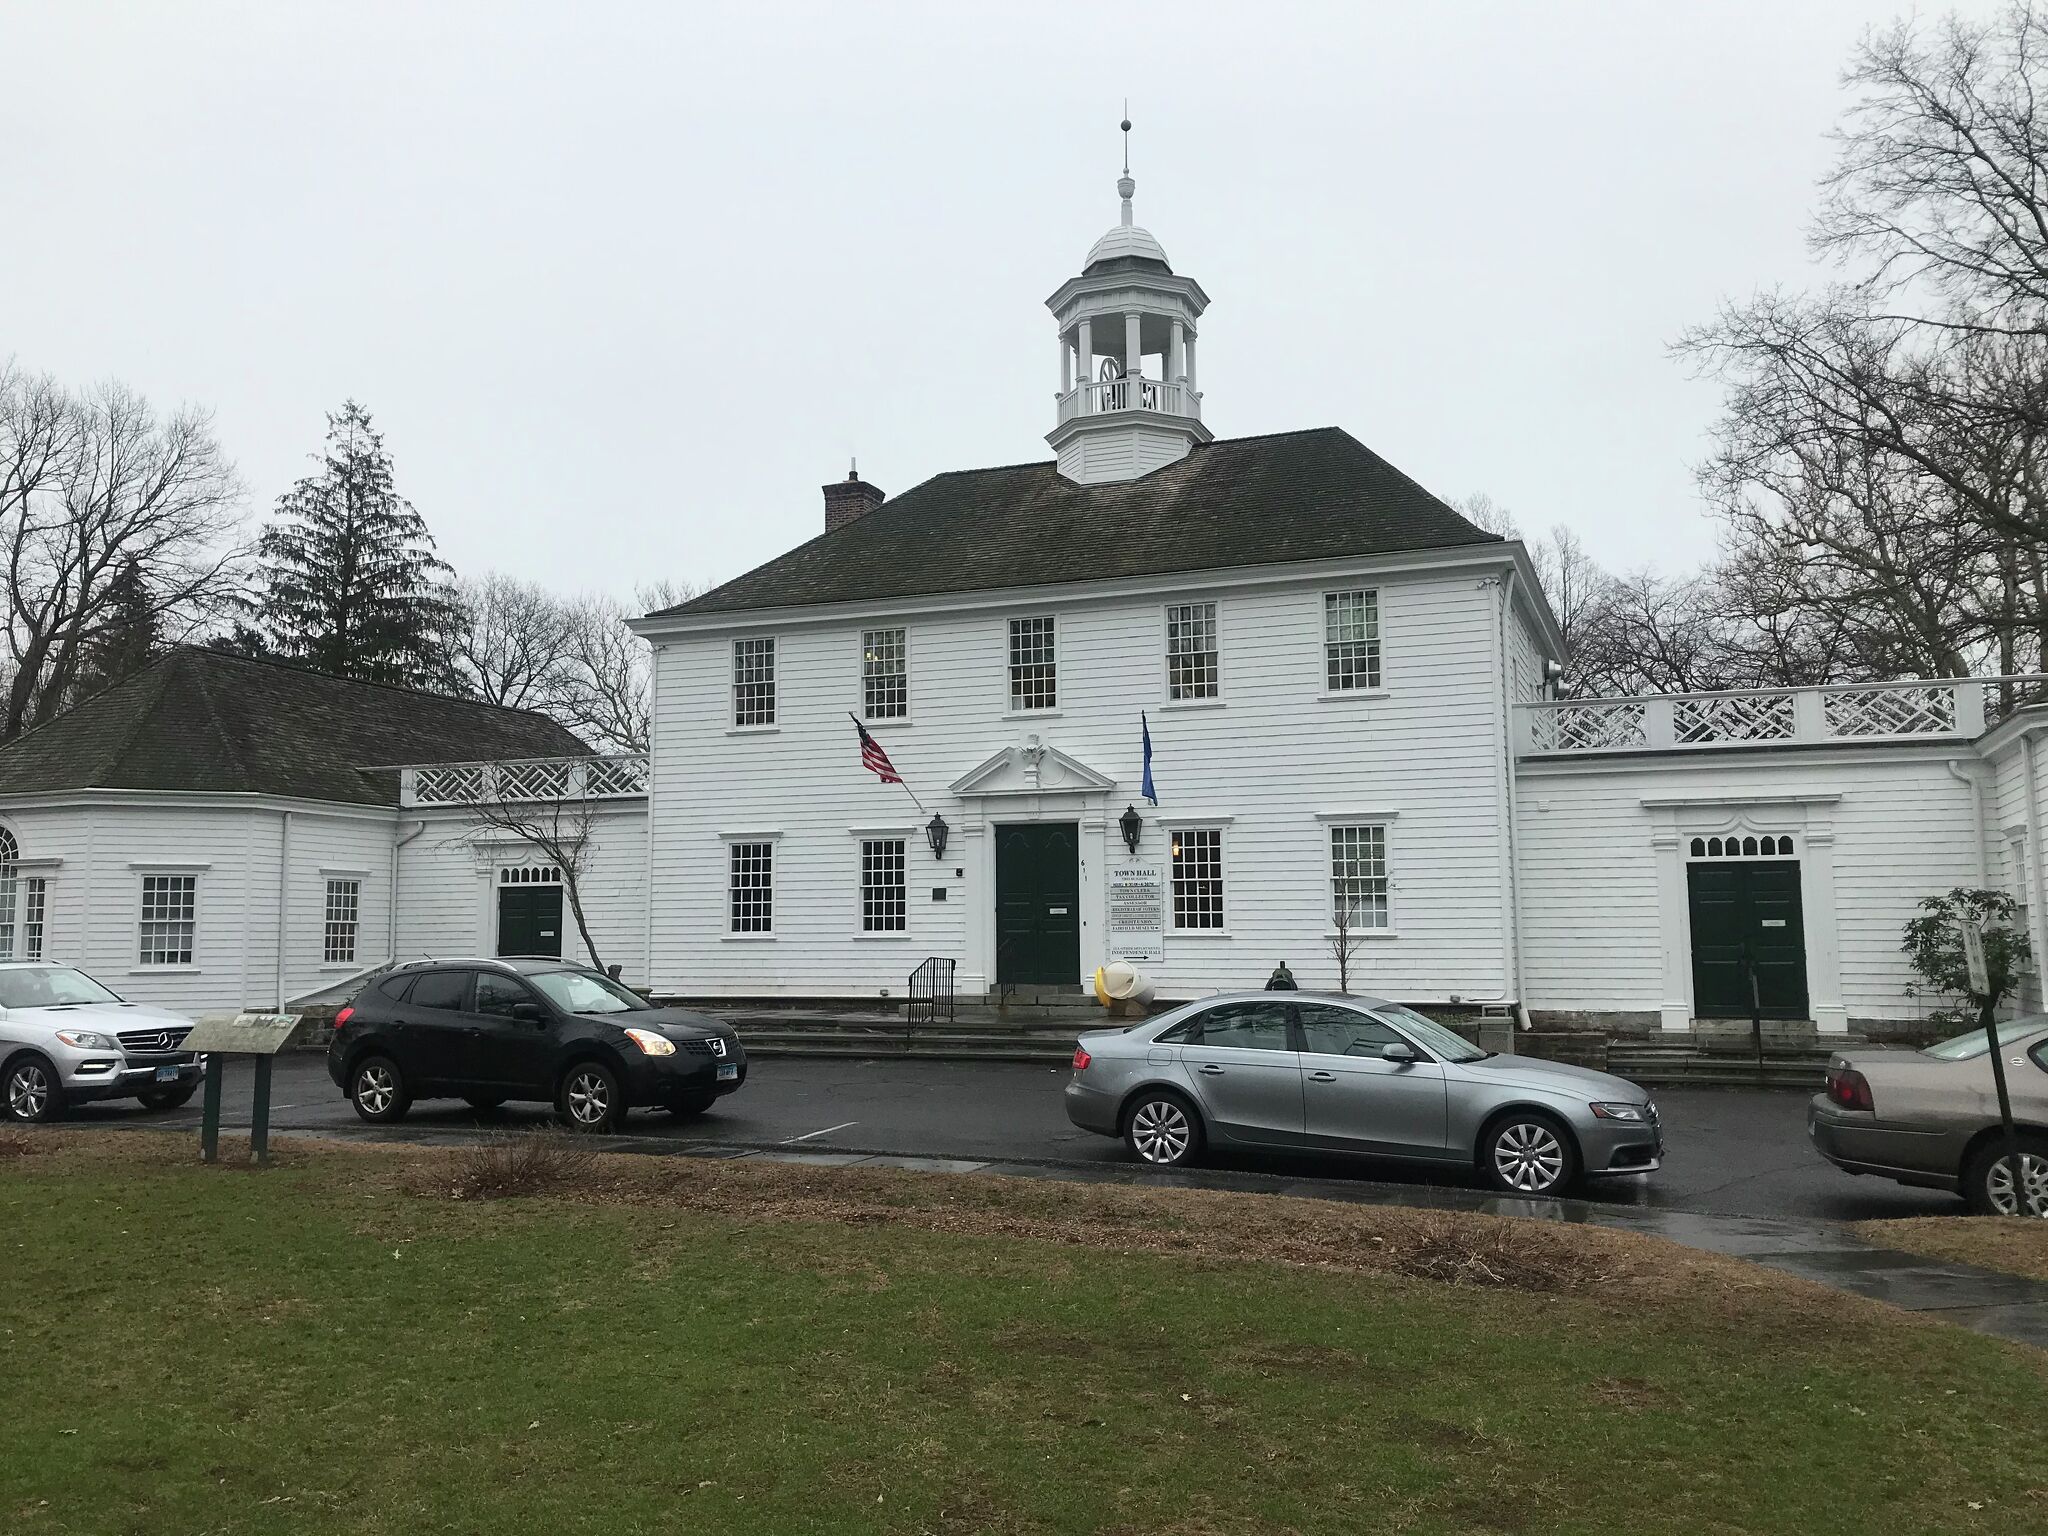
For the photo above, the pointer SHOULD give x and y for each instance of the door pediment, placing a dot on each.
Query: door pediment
(1032, 771)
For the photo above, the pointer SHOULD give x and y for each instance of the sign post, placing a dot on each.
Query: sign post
(259, 1036)
(1980, 988)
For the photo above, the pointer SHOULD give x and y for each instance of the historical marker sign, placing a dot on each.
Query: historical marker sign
(242, 1034)
(1137, 914)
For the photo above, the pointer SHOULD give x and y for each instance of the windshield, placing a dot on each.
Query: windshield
(585, 992)
(1971, 1044)
(50, 986)
(1432, 1036)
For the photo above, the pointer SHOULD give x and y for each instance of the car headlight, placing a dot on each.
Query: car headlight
(1638, 1112)
(650, 1043)
(85, 1040)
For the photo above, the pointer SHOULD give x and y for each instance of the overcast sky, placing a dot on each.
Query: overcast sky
(624, 284)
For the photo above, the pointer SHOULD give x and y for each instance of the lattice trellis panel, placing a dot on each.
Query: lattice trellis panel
(615, 776)
(1765, 717)
(1589, 727)
(449, 784)
(548, 780)
(1903, 711)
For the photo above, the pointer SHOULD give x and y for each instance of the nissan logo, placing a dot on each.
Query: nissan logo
(717, 1046)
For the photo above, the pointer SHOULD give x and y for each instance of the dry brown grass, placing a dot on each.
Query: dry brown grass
(2010, 1243)
(544, 1161)
(14, 1143)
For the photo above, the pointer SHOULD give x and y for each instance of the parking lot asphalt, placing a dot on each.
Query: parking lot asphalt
(1739, 1152)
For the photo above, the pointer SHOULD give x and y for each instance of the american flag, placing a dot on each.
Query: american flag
(874, 759)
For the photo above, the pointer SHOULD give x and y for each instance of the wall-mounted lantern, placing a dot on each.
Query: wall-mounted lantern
(935, 833)
(1132, 825)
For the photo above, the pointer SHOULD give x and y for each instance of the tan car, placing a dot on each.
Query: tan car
(1930, 1117)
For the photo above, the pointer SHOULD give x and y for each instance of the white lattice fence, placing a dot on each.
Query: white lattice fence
(1909, 710)
(615, 776)
(1737, 717)
(450, 784)
(545, 780)
(1588, 727)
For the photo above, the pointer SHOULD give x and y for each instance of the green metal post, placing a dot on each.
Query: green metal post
(259, 1114)
(209, 1120)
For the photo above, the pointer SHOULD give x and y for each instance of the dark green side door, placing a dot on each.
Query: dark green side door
(1746, 917)
(1038, 904)
(529, 920)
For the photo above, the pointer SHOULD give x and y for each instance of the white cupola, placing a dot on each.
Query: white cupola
(1127, 399)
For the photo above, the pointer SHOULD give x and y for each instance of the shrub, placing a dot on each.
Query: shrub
(536, 1162)
(1934, 943)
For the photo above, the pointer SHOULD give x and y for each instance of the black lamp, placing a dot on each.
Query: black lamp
(1133, 825)
(935, 834)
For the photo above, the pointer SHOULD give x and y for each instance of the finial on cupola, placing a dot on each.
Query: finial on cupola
(1124, 185)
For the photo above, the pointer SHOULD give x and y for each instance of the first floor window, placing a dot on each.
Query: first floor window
(1351, 640)
(884, 903)
(10, 895)
(1034, 670)
(753, 682)
(1358, 876)
(34, 894)
(344, 911)
(750, 887)
(1198, 878)
(1191, 671)
(169, 907)
(884, 677)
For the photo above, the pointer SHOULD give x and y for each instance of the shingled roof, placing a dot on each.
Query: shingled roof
(1314, 495)
(199, 720)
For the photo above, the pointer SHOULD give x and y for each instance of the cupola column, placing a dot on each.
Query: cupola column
(1084, 355)
(1192, 388)
(1066, 368)
(1134, 359)
(1177, 360)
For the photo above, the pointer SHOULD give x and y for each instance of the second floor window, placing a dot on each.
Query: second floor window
(1034, 675)
(884, 675)
(1191, 671)
(1351, 640)
(753, 682)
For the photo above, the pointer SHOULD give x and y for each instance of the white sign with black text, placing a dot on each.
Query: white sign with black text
(1137, 914)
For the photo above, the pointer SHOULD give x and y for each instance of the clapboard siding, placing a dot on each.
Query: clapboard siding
(1270, 755)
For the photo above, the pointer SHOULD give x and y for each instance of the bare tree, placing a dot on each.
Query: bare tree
(1343, 943)
(107, 511)
(604, 691)
(549, 807)
(513, 642)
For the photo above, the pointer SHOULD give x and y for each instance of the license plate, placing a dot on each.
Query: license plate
(729, 1072)
(167, 1074)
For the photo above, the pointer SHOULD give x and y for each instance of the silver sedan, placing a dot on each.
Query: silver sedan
(1293, 1071)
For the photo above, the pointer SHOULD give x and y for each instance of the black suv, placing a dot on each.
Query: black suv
(491, 1030)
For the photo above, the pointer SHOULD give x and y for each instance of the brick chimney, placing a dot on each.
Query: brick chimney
(849, 499)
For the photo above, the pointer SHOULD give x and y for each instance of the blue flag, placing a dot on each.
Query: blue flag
(1146, 789)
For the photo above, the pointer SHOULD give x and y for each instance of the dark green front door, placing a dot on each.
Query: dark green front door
(1038, 904)
(1746, 920)
(529, 920)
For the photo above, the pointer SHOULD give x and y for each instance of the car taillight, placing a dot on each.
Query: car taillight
(1850, 1089)
(1081, 1058)
(347, 1012)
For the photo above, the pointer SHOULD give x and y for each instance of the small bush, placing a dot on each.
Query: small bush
(536, 1162)
(1513, 1255)
(15, 1143)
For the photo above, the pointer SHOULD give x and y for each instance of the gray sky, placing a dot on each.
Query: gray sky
(624, 284)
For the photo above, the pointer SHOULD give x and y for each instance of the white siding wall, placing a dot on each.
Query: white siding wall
(1270, 756)
(2008, 835)
(1902, 830)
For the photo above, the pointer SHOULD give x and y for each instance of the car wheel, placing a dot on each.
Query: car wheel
(1528, 1154)
(1163, 1129)
(689, 1109)
(167, 1098)
(377, 1089)
(590, 1099)
(1988, 1182)
(484, 1101)
(33, 1094)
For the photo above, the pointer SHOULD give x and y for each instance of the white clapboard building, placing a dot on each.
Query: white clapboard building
(1348, 690)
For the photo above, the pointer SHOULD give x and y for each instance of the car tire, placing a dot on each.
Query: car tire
(589, 1098)
(689, 1109)
(32, 1094)
(1987, 1181)
(484, 1102)
(377, 1089)
(167, 1098)
(1162, 1129)
(1527, 1152)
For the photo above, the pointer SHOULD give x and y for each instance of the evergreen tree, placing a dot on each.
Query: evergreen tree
(351, 584)
(127, 642)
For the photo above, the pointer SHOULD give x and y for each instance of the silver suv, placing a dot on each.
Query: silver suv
(65, 1039)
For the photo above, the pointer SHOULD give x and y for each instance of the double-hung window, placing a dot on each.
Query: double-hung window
(1351, 640)
(753, 682)
(1034, 671)
(884, 675)
(170, 906)
(1198, 878)
(884, 899)
(34, 902)
(750, 887)
(1358, 876)
(1191, 671)
(344, 914)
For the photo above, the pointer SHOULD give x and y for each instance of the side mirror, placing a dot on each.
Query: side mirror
(1398, 1050)
(528, 1013)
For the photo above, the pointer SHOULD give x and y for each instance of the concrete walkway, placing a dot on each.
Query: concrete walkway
(1983, 1300)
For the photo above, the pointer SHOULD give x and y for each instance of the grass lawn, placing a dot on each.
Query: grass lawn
(337, 1345)
(2017, 1245)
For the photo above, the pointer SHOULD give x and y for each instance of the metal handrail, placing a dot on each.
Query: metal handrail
(930, 999)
